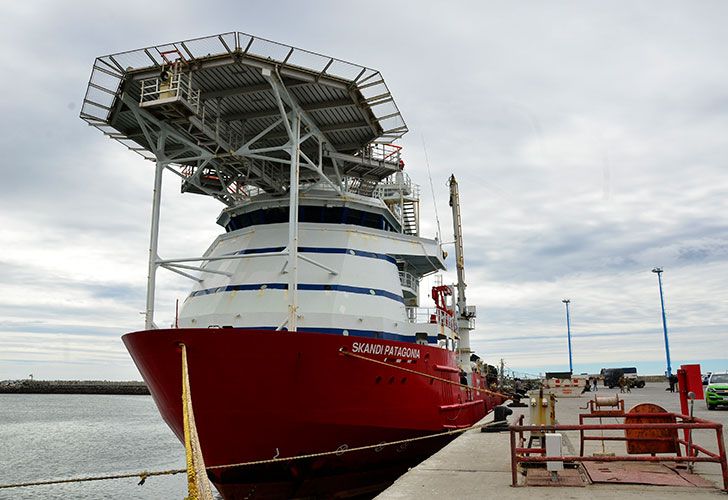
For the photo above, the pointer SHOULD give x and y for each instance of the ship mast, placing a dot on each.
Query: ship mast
(465, 314)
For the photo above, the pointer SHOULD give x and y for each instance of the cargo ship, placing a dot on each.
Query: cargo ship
(303, 331)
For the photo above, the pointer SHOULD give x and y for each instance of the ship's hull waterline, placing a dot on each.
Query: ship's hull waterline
(261, 394)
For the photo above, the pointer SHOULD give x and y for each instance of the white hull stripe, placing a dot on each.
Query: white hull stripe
(303, 287)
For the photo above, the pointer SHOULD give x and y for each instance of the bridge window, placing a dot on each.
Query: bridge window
(326, 215)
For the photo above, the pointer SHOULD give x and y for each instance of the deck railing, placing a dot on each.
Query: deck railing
(431, 315)
(177, 85)
(409, 281)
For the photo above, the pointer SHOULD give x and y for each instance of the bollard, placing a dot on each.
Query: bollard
(500, 422)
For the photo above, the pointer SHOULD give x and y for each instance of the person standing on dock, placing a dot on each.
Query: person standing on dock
(595, 381)
(672, 379)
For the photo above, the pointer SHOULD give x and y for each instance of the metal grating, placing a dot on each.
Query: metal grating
(351, 104)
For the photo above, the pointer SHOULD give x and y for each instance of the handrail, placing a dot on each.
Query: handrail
(431, 315)
(522, 454)
(395, 184)
(178, 85)
(408, 280)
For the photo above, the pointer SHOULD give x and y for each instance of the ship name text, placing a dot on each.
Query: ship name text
(386, 350)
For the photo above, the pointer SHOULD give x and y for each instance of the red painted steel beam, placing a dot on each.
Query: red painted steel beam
(514, 459)
(615, 458)
(721, 452)
(530, 450)
(622, 438)
(596, 427)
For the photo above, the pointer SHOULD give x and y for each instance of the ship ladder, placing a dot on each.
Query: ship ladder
(409, 218)
(198, 485)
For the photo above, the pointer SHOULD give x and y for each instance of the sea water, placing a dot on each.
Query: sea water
(54, 436)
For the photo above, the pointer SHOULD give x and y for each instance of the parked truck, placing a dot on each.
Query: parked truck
(611, 377)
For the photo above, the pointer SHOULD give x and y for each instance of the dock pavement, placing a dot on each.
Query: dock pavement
(478, 465)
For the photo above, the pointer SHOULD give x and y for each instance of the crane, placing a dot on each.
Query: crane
(465, 314)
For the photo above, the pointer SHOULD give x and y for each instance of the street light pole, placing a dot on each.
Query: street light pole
(658, 271)
(568, 333)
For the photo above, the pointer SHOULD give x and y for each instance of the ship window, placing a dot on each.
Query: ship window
(327, 215)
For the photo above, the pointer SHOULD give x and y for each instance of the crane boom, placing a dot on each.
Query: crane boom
(465, 315)
(458, 233)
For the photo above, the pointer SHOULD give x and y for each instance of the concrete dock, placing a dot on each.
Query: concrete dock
(478, 465)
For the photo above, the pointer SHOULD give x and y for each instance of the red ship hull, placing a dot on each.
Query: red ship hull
(260, 394)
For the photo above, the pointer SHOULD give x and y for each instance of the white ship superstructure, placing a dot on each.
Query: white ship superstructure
(262, 127)
(357, 274)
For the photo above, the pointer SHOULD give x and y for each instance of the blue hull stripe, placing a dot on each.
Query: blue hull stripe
(369, 334)
(331, 250)
(301, 286)
(352, 289)
(258, 250)
(349, 251)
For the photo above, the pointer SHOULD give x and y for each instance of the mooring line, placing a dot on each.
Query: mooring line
(145, 474)
(141, 475)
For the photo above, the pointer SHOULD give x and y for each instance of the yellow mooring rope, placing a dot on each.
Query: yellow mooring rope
(198, 486)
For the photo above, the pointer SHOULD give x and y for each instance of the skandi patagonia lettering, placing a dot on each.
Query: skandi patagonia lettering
(385, 350)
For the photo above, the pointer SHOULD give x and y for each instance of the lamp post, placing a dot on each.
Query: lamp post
(658, 271)
(568, 332)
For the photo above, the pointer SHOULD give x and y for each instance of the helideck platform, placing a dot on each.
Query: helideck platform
(214, 107)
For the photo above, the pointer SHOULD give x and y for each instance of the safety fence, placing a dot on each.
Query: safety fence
(649, 435)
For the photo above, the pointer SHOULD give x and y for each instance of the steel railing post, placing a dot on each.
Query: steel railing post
(721, 453)
(514, 460)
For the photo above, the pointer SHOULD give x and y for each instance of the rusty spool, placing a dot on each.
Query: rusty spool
(648, 440)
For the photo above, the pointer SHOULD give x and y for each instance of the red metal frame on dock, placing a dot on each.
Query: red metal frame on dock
(522, 454)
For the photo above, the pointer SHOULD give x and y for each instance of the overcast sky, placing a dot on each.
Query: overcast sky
(590, 140)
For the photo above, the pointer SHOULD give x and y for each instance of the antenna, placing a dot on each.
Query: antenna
(432, 188)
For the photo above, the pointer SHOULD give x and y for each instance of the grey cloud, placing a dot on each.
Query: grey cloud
(589, 141)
